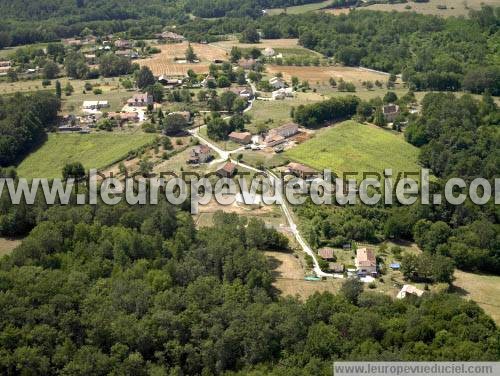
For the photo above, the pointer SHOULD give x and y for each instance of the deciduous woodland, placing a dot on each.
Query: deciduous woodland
(220, 87)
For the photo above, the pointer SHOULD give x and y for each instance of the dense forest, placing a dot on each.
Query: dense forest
(139, 291)
(23, 122)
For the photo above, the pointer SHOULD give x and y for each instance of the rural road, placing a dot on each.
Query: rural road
(225, 155)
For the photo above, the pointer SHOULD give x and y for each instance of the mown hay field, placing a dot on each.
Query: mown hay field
(353, 147)
(321, 75)
(95, 150)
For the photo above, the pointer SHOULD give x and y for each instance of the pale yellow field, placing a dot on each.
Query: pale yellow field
(7, 245)
(164, 62)
(321, 75)
(264, 43)
(453, 7)
(483, 289)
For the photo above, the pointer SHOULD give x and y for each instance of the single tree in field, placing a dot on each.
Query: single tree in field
(145, 78)
(73, 170)
(190, 55)
(58, 90)
(378, 118)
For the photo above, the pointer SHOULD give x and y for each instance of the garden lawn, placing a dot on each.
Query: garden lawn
(354, 147)
(95, 150)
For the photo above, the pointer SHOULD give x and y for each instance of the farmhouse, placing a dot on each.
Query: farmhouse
(241, 137)
(300, 170)
(274, 139)
(409, 289)
(169, 81)
(4, 67)
(247, 63)
(366, 262)
(335, 267)
(242, 91)
(140, 100)
(124, 117)
(207, 81)
(286, 130)
(95, 105)
(185, 114)
(326, 253)
(200, 154)
(391, 112)
(170, 36)
(277, 83)
(131, 54)
(227, 170)
(268, 52)
(123, 44)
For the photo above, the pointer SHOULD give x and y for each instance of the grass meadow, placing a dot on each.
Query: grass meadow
(354, 147)
(95, 150)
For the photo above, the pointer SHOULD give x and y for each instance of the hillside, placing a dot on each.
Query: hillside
(350, 146)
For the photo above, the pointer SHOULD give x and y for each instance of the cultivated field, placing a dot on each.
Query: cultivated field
(95, 150)
(453, 7)
(354, 147)
(482, 289)
(321, 75)
(165, 62)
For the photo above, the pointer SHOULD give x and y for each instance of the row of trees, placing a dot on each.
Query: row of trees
(317, 114)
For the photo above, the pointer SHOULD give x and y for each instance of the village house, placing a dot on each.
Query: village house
(286, 130)
(207, 80)
(240, 137)
(281, 94)
(366, 263)
(4, 67)
(123, 44)
(391, 112)
(131, 54)
(169, 36)
(169, 81)
(124, 117)
(277, 83)
(200, 154)
(140, 100)
(300, 170)
(326, 253)
(227, 170)
(268, 52)
(185, 114)
(409, 289)
(95, 105)
(72, 42)
(242, 91)
(247, 63)
(335, 267)
(90, 58)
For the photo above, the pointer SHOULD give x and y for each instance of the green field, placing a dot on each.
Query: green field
(300, 8)
(354, 147)
(94, 150)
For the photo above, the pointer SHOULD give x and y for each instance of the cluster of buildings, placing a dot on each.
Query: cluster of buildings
(365, 261)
